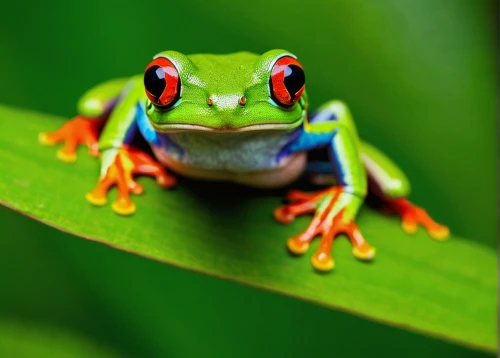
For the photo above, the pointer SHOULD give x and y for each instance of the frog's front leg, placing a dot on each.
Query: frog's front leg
(119, 168)
(335, 208)
(121, 162)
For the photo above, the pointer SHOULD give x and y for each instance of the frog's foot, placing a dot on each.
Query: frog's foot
(127, 163)
(77, 131)
(328, 222)
(413, 215)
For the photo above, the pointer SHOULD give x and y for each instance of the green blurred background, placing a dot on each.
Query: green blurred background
(419, 76)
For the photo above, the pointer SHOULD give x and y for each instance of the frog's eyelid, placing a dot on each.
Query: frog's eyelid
(188, 77)
(273, 62)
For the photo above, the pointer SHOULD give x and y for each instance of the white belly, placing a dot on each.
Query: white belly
(249, 158)
(234, 152)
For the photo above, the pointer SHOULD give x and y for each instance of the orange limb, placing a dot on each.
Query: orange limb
(128, 163)
(413, 215)
(324, 223)
(79, 130)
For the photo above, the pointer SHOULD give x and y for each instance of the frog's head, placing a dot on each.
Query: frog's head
(237, 92)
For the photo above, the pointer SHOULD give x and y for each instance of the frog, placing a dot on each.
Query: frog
(242, 118)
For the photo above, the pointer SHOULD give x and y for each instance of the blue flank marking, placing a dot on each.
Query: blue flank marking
(145, 127)
(323, 116)
(129, 136)
(334, 166)
(153, 137)
(301, 141)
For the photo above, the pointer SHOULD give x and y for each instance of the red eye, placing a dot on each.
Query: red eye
(162, 83)
(287, 81)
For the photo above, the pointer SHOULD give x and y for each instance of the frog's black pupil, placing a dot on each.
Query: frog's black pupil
(154, 81)
(294, 79)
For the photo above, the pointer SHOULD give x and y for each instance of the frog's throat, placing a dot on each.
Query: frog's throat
(170, 127)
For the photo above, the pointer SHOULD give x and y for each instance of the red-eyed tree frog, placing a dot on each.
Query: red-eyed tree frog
(243, 118)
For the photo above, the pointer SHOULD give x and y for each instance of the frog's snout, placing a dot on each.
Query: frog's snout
(226, 102)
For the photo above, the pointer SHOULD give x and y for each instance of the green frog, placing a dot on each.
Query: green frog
(243, 118)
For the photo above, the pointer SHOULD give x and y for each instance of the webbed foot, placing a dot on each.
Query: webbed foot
(334, 211)
(79, 130)
(413, 215)
(127, 162)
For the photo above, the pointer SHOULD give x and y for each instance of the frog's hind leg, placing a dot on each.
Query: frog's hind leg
(389, 184)
(93, 110)
(79, 130)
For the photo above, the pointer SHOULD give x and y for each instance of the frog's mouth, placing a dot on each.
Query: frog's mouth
(175, 127)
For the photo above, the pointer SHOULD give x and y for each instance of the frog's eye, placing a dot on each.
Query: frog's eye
(287, 82)
(162, 83)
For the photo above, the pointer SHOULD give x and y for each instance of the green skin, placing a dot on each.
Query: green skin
(218, 139)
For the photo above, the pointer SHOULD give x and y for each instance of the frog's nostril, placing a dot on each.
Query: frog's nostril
(210, 101)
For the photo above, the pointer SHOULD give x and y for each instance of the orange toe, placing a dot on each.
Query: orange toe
(67, 157)
(123, 207)
(97, 200)
(297, 247)
(282, 215)
(364, 252)
(440, 233)
(322, 262)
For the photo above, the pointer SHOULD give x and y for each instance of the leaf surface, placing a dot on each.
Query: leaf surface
(21, 339)
(446, 289)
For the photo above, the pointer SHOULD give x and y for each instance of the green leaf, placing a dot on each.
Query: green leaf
(447, 289)
(22, 339)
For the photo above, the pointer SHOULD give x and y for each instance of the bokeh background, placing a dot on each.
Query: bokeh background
(419, 76)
